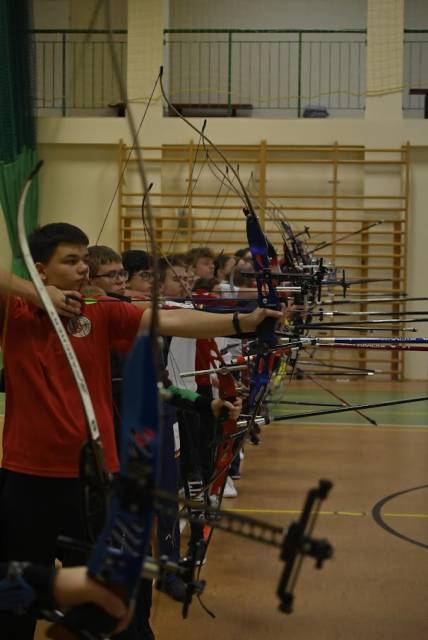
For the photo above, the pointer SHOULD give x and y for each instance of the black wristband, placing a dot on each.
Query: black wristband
(42, 580)
(236, 323)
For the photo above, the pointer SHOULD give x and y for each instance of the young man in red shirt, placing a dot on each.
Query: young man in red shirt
(45, 427)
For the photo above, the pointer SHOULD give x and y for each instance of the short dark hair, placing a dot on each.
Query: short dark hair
(169, 263)
(44, 240)
(221, 261)
(100, 254)
(136, 260)
(199, 252)
(240, 253)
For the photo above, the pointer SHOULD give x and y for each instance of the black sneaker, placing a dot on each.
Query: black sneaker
(174, 587)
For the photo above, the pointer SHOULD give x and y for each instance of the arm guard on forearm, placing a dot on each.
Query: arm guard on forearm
(188, 400)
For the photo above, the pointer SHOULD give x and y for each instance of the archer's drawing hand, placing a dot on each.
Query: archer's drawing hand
(234, 408)
(67, 303)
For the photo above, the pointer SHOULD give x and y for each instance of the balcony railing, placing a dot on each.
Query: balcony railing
(272, 73)
(75, 72)
(277, 72)
(415, 65)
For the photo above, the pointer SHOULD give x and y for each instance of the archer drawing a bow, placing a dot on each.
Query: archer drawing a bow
(118, 556)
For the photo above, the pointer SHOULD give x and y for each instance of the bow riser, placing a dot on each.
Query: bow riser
(228, 434)
(263, 254)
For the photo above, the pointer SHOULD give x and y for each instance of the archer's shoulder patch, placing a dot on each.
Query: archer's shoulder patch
(79, 327)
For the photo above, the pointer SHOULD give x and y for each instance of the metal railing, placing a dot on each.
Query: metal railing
(281, 70)
(415, 66)
(276, 73)
(75, 71)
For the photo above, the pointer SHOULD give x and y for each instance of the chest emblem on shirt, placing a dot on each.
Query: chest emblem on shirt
(79, 327)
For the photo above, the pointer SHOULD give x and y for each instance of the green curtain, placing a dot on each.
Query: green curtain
(17, 119)
(12, 178)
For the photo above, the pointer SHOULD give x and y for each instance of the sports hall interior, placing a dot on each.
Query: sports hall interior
(312, 102)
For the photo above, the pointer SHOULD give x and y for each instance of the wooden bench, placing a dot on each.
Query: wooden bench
(421, 92)
(209, 109)
(119, 108)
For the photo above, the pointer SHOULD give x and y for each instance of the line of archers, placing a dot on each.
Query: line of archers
(264, 292)
(79, 620)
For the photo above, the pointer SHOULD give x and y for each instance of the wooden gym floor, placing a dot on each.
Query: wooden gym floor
(376, 585)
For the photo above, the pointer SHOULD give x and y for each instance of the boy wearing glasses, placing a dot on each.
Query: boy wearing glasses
(106, 270)
(139, 267)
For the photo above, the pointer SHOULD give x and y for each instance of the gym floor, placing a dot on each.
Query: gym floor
(376, 585)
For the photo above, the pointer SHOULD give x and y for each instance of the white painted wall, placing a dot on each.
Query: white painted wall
(51, 14)
(77, 14)
(415, 14)
(284, 14)
(82, 13)
(77, 186)
(271, 14)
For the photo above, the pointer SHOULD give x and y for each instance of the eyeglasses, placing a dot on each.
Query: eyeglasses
(113, 275)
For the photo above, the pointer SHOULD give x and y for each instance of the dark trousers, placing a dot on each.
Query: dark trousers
(207, 441)
(235, 465)
(190, 456)
(34, 511)
(197, 441)
(139, 628)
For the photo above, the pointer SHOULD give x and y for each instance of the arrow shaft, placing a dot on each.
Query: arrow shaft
(375, 347)
(333, 325)
(322, 245)
(370, 405)
(332, 314)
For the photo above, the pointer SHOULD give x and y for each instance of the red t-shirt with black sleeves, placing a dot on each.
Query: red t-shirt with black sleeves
(45, 425)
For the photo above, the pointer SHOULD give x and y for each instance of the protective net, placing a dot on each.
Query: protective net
(385, 47)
